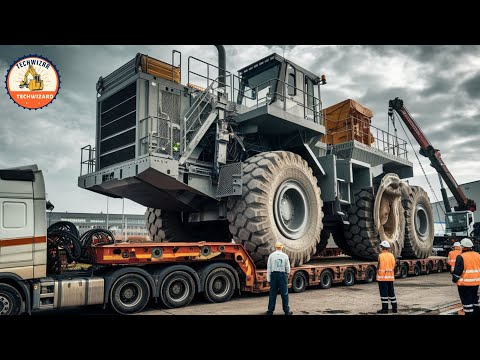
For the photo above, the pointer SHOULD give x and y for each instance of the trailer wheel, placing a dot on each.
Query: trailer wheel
(10, 300)
(419, 229)
(349, 277)
(280, 202)
(403, 271)
(177, 289)
(326, 279)
(130, 294)
(299, 282)
(428, 269)
(416, 270)
(440, 266)
(370, 274)
(219, 285)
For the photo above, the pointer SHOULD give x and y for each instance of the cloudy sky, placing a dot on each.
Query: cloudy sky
(439, 84)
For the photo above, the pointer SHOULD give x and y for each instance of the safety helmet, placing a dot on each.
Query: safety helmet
(456, 243)
(279, 246)
(466, 243)
(385, 244)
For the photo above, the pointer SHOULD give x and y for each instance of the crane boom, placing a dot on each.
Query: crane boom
(433, 154)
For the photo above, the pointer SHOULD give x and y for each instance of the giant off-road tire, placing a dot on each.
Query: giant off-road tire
(374, 219)
(419, 225)
(280, 202)
(360, 236)
(167, 226)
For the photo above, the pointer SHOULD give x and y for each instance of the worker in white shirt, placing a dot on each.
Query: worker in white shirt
(278, 269)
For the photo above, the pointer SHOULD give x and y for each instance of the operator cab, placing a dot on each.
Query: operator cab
(276, 81)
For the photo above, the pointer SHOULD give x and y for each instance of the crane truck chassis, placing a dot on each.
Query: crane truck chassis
(127, 276)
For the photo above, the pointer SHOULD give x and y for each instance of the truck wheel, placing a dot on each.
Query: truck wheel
(419, 229)
(326, 279)
(299, 282)
(374, 219)
(167, 226)
(349, 277)
(324, 236)
(10, 300)
(177, 289)
(403, 271)
(370, 274)
(428, 269)
(130, 294)
(219, 285)
(280, 202)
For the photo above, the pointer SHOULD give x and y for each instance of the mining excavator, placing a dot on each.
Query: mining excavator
(34, 84)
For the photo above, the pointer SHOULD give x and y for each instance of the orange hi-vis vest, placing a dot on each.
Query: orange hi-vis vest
(386, 267)
(471, 269)
(452, 256)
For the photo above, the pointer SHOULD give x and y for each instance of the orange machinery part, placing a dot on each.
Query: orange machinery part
(159, 68)
(348, 120)
(164, 253)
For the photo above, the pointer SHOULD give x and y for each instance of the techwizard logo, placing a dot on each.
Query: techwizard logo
(32, 82)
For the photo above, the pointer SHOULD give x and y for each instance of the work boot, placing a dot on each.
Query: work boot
(384, 309)
(394, 308)
(289, 313)
(269, 313)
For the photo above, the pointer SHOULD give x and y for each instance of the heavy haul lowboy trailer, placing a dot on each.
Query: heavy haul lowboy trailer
(128, 276)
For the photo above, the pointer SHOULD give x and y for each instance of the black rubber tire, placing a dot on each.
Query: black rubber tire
(252, 217)
(326, 279)
(167, 226)
(180, 281)
(341, 241)
(126, 285)
(10, 300)
(417, 270)
(417, 246)
(219, 277)
(361, 236)
(370, 274)
(299, 282)
(324, 236)
(349, 277)
(428, 269)
(440, 266)
(403, 271)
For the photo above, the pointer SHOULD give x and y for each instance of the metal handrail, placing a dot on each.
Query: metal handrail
(383, 140)
(150, 136)
(89, 162)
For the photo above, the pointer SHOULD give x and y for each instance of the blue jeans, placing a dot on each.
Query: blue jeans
(278, 281)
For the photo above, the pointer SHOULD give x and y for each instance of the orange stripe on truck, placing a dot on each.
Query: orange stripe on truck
(23, 241)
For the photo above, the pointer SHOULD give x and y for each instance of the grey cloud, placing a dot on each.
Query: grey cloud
(472, 86)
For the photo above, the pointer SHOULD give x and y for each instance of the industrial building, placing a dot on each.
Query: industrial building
(134, 224)
(471, 190)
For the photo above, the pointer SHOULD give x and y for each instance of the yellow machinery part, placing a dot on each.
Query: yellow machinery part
(35, 85)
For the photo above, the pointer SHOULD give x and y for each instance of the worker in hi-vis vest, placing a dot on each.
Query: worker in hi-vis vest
(452, 255)
(386, 277)
(466, 275)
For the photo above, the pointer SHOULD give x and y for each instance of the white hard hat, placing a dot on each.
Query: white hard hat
(456, 243)
(385, 244)
(466, 243)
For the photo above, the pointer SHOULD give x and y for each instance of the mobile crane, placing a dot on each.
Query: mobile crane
(36, 83)
(459, 224)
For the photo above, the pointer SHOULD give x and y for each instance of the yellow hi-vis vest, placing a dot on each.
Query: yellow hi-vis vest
(471, 269)
(386, 267)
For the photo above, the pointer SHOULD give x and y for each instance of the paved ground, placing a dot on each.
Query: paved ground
(414, 295)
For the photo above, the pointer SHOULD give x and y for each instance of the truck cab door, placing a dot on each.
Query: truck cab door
(16, 223)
